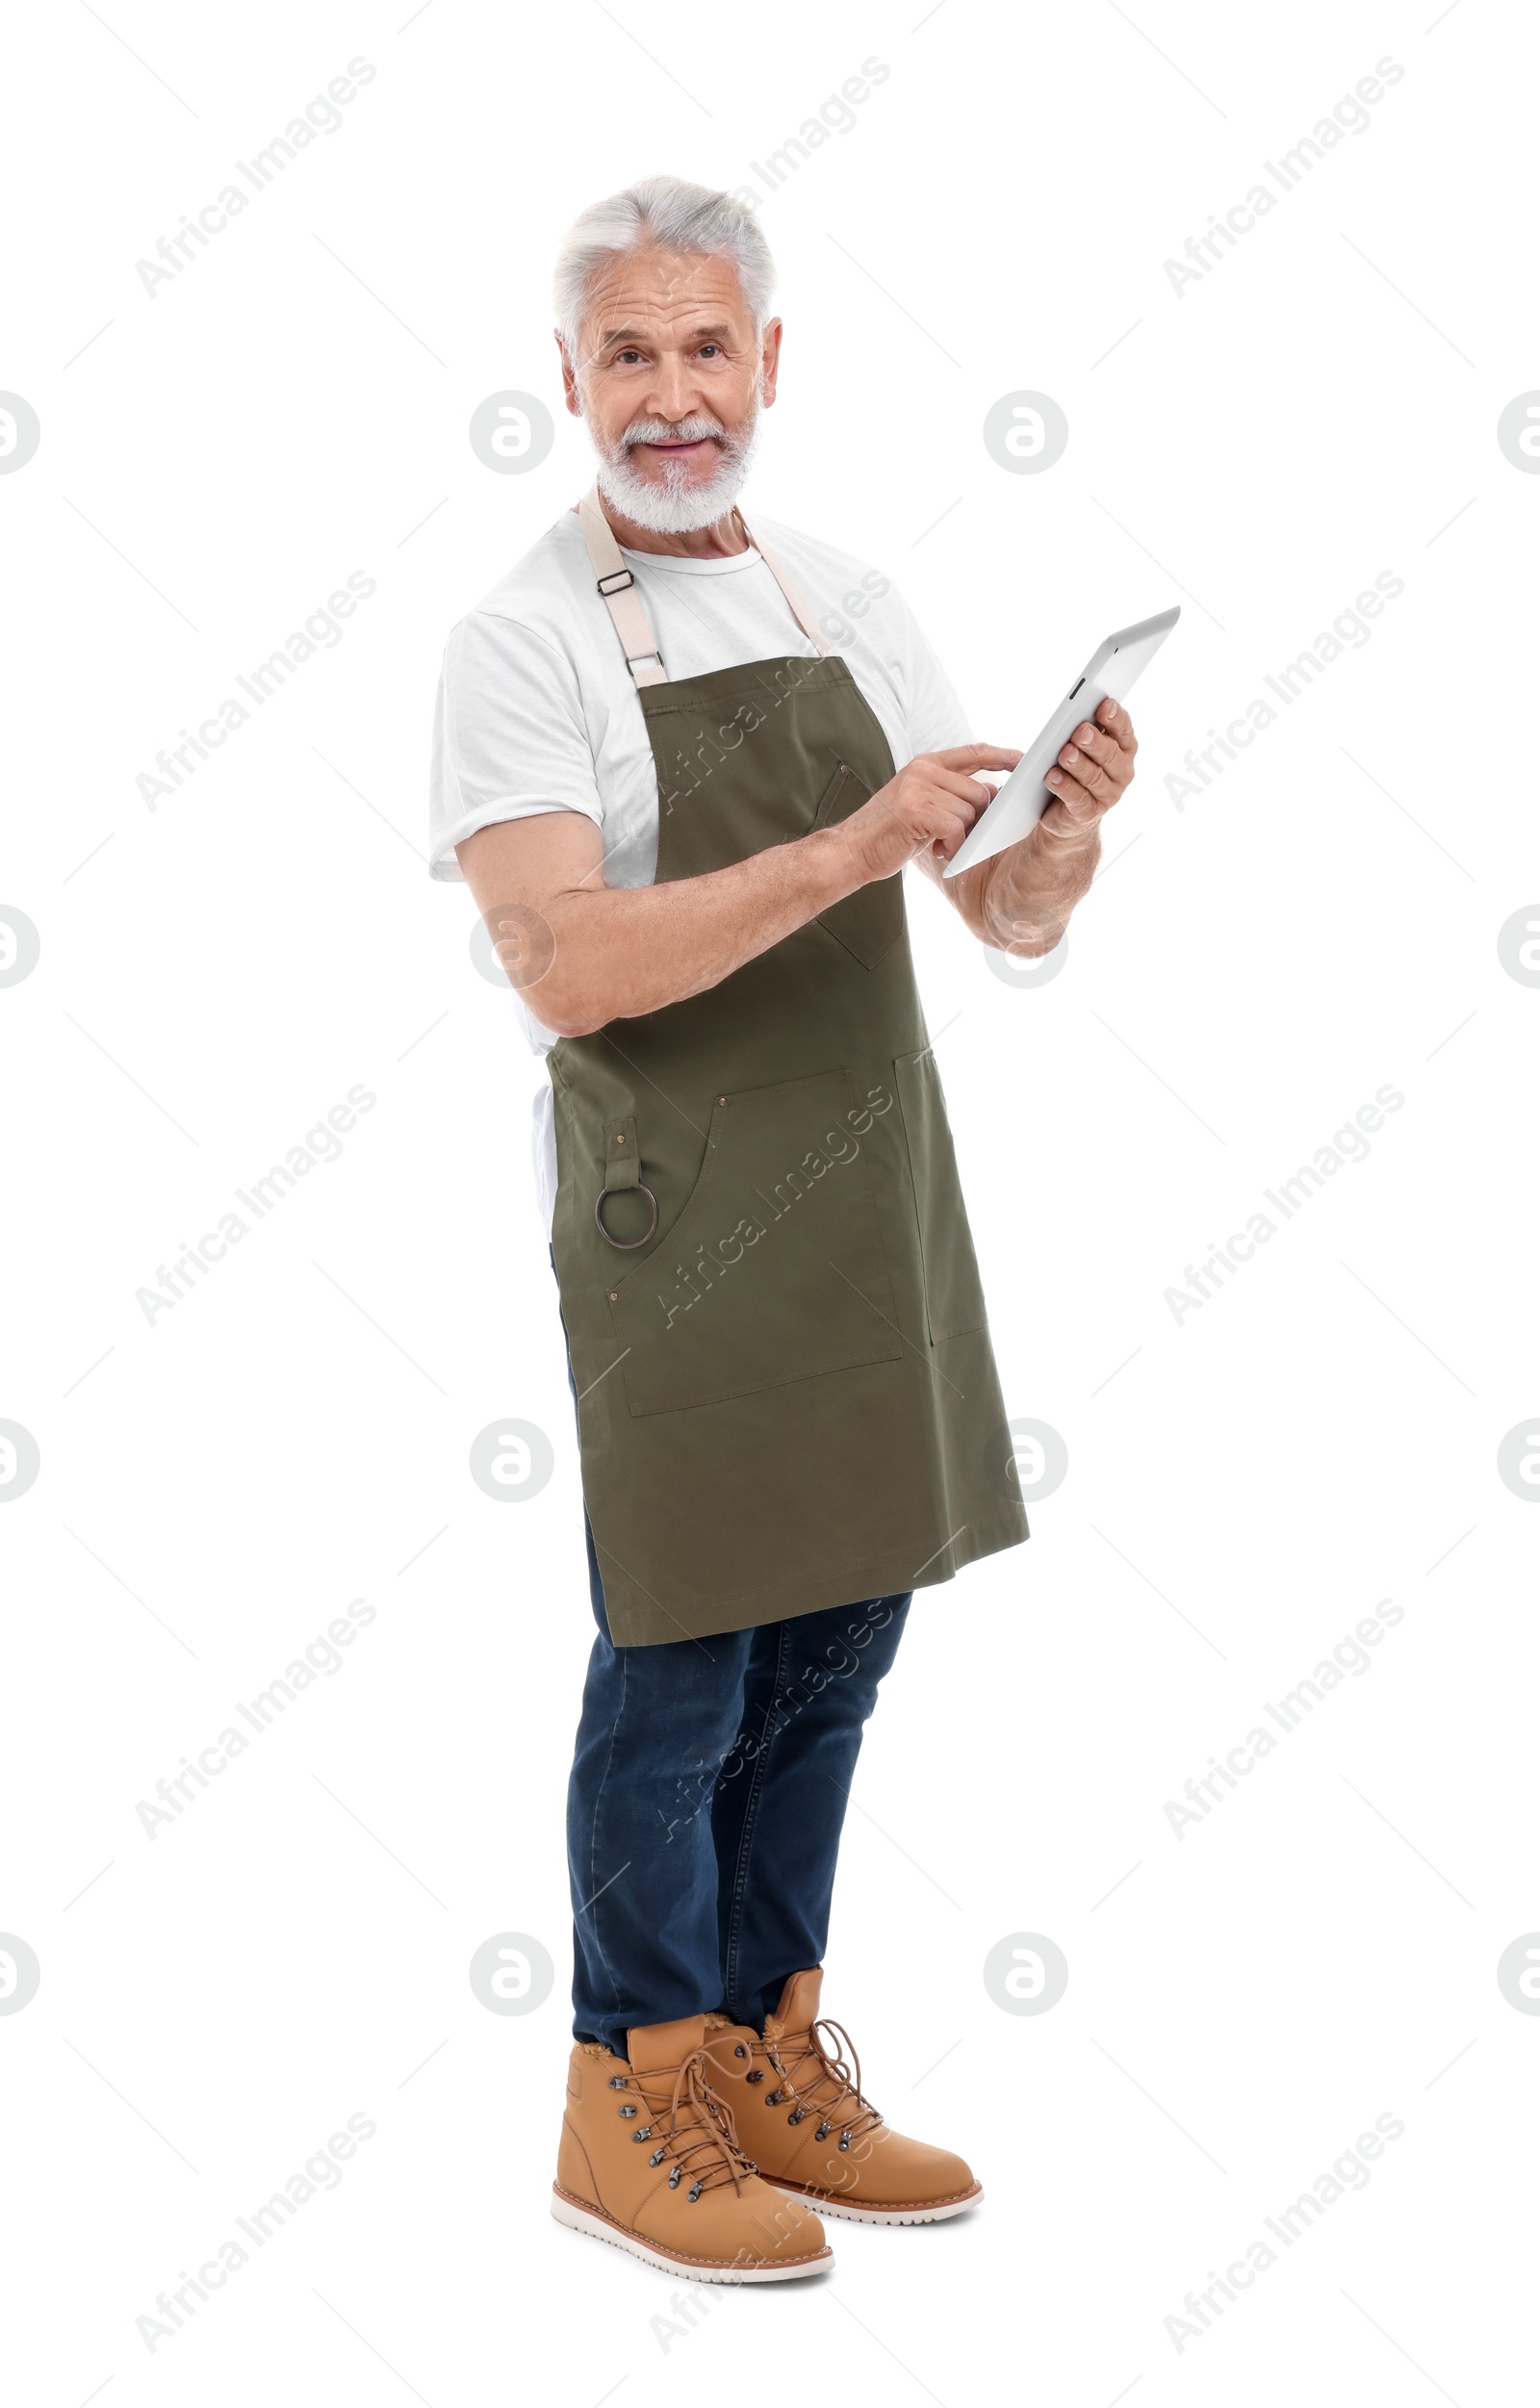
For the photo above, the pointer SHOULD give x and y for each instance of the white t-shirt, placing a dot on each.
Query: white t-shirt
(537, 711)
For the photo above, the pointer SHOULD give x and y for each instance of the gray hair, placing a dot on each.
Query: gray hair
(678, 216)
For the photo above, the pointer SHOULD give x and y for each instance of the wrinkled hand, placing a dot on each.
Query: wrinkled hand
(1095, 770)
(1019, 901)
(928, 808)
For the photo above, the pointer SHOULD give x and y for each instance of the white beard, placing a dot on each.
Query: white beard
(672, 504)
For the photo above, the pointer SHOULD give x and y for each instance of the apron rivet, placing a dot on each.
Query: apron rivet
(614, 1295)
(721, 1099)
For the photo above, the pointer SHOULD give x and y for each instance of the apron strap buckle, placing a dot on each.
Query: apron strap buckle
(615, 583)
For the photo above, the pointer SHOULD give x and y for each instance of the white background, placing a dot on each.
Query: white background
(1243, 1485)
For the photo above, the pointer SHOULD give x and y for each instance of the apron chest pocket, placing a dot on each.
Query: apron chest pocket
(954, 1298)
(774, 1271)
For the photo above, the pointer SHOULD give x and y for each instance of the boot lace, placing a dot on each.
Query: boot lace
(699, 2141)
(821, 2082)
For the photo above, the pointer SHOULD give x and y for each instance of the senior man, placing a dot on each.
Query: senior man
(667, 763)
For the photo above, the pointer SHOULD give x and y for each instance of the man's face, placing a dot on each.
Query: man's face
(670, 380)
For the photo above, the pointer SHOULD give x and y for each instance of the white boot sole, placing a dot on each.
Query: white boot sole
(600, 2227)
(822, 2206)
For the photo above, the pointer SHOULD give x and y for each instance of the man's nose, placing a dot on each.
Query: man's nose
(674, 396)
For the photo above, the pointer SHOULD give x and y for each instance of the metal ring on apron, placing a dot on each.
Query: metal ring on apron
(626, 1245)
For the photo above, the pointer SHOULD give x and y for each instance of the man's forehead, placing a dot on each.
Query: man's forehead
(660, 286)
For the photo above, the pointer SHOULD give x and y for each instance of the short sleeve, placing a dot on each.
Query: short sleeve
(509, 738)
(932, 708)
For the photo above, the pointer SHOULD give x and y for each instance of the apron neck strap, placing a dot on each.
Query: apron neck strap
(617, 588)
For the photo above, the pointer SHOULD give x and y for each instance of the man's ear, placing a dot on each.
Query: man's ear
(770, 359)
(569, 380)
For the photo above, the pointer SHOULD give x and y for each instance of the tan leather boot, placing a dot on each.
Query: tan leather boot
(649, 2161)
(799, 2113)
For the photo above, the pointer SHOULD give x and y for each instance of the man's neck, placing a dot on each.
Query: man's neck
(720, 540)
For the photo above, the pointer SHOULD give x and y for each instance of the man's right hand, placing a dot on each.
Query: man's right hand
(926, 810)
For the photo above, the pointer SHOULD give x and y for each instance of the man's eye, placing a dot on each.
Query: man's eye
(707, 349)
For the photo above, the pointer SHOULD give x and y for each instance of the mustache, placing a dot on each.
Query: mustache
(699, 428)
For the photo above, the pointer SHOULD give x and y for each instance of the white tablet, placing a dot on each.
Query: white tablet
(1020, 802)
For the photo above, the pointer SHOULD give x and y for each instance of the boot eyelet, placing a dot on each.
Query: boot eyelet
(617, 2082)
(693, 2193)
(823, 2132)
(844, 2139)
(674, 2178)
(741, 2050)
(796, 2115)
(643, 2131)
(628, 2111)
(754, 2077)
(656, 2157)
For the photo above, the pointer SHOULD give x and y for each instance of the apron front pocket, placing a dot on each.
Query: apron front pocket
(774, 1271)
(954, 1298)
(869, 921)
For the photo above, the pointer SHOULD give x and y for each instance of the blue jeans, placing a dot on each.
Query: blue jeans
(703, 1813)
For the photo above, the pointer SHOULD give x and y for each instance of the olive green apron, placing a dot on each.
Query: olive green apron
(787, 1397)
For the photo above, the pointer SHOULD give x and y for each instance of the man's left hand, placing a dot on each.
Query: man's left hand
(1019, 901)
(1094, 771)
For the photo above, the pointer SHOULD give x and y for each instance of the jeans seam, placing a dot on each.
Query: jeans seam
(740, 1870)
(593, 1834)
